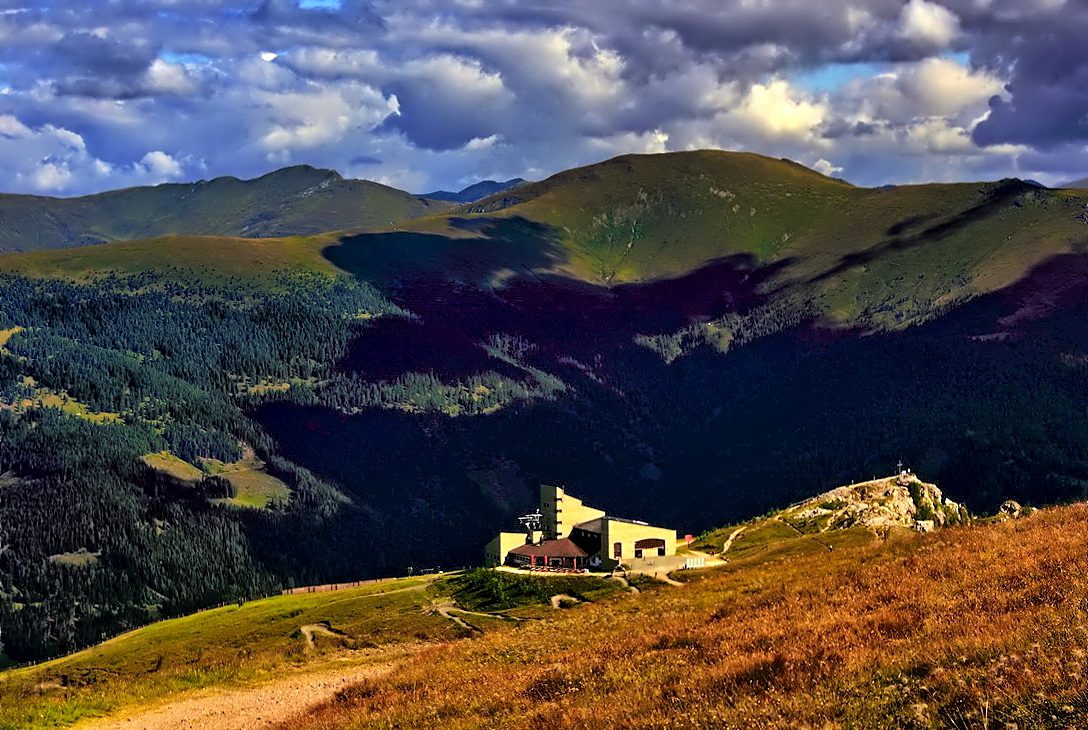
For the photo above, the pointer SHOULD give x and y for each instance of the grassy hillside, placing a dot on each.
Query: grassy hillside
(875, 257)
(209, 258)
(260, 640)
(293, 201)
(881, 257)
(859, 252)
(966, 627)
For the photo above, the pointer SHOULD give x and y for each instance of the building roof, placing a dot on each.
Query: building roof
(591, 525)
(596, 525)
(610, 518)
(562, 548)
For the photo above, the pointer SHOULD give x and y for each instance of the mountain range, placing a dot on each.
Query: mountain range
(293, 201)
(700, 337)
(474, 192)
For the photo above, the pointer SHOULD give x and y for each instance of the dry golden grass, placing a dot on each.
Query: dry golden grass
(7, 334)
(970, 627)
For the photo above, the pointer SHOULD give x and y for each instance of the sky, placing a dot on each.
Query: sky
(428, 94)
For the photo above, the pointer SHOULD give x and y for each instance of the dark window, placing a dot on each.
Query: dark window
(617, 550)
(661, 551)
(638, 553)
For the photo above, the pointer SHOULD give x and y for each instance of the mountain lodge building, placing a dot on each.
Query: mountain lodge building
(567, 534)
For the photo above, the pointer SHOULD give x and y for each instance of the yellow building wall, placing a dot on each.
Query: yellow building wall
(627, 534)
(560, 512)
(496, 550)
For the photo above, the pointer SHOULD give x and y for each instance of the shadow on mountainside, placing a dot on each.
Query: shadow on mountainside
(986, 401)
(451, 288)
(1002, 195)
(556, 317)
(501, 247)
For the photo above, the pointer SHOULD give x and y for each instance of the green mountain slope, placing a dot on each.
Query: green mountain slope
(877, 256)
(861, 252)
(291, 201)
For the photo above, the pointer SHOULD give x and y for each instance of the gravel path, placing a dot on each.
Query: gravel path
(242, 708)
(729, 543)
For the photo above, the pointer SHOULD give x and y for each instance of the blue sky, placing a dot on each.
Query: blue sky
(423, 94)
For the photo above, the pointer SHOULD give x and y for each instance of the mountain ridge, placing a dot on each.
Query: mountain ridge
(476, 191)
(298, 200)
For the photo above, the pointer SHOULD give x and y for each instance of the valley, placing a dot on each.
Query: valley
(630, 330)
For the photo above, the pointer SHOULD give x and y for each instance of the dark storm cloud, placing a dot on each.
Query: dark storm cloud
(1046, 59)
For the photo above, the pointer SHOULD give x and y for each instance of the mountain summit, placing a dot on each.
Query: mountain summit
(476, 191)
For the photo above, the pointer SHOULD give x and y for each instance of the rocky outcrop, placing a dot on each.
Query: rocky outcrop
(1012, 510)
(902, 501)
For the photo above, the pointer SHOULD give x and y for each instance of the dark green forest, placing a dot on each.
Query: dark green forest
(412, 423)
(166, 358)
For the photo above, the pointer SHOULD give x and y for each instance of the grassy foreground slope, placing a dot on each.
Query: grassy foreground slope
(966, 627)
(259, 641)
(292, 201)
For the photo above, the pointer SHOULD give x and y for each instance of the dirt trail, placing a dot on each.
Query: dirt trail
(309, 630)
(729, 543)
(448, 609)
(559, 598)
(243, 708)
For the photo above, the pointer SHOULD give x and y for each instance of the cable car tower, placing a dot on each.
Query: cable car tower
(531, 522)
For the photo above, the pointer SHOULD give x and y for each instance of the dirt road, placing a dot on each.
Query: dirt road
(242, 708)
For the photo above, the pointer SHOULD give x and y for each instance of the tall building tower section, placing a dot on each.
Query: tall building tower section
(560, 512)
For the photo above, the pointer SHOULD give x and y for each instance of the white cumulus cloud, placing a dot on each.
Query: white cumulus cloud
(929, 23)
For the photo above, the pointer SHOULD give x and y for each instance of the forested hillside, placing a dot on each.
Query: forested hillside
(94, 376)
(216, 417)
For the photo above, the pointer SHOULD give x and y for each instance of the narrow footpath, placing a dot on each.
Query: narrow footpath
(243, 708)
